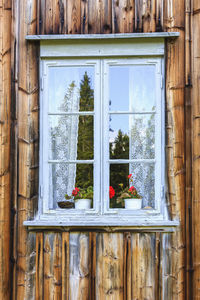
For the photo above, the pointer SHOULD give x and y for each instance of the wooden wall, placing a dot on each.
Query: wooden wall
(5, 126)
(56, 264)
(195, 32)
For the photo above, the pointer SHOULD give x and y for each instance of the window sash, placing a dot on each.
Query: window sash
(101, 114)
(44, 142)
(159, 133)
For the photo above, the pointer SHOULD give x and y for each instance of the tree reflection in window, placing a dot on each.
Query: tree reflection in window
(71, 138)
(137, 143)
(85, 148)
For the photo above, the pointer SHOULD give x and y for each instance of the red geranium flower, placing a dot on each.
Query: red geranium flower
(75, 191)
(111, 192)
(132, 188)
(129, 176)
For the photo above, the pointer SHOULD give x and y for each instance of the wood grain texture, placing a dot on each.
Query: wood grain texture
(94, 16)
(148, 9)
(195, 5)
(106, 16)
(57, 266)
(5, 127)
(14, 140)
(109, 267)
(159, 15)
(101, 267)
(143, 266)
(56, 16)
(41, 17)
(93, 258)
(21, 248)
(52, 266)
(65, 265)
(84, 16)
(27, 131)
(158, 266)
(30, 292)
(123, 16)
(48, 265)
(195, 149)
(62, 17)
(127, 267)
(188, 148)
(74, 16)
(79, 271)
(49, 16)
(174, 20)
(39, 265)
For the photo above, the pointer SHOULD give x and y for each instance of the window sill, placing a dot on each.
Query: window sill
(102, 36)
(100, 225)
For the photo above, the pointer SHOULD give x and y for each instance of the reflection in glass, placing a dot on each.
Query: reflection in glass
(142, 134)
(71, 89)
(143, 181)
(63, 178)
(118, 176)
(132, 136)
(132, 88)
(119, 88)
(71, 137)
(119, 137)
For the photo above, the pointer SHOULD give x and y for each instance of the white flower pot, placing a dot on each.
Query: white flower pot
(83, 204)
(133, 203)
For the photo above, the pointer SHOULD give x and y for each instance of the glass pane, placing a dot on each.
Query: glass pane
(118, 177)
(144, 182)
(142, 141)
(63, 178)
(119, 137)
(143, 175)
(71, 137)
(132, 136)
(132, 88)
(71, 89)
(119, 88)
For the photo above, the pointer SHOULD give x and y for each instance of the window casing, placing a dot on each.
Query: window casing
(103, 66)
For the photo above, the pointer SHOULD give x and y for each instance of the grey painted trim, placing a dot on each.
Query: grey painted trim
(158, 226)
(102, 36)
(97, 48)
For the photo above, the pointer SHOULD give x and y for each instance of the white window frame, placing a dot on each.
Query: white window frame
(159, 160)
(44, 142)
(101, 55)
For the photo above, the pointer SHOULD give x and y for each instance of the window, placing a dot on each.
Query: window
(102, 118)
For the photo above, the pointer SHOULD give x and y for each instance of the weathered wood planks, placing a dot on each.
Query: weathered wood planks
(107, 266)
(188, 148)
(196, 147)
(174, 18)
(5, 126)
(95, 16)
(26, 114)
(96, 266)
(79, 271)
(143, 266)
(52, 266)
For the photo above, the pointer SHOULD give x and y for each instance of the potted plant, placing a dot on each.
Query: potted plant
(83, 198)
(67, 203)
(130, 195)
